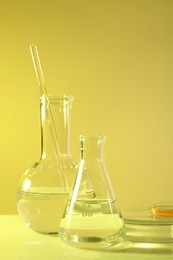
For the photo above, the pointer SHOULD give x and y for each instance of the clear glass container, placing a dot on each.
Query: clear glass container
(44, 187)
(162, 209)
(92, 218)
(143, 227)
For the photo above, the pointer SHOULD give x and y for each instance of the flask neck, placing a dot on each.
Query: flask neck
(55, 125)
(92, 148)
(92, 168)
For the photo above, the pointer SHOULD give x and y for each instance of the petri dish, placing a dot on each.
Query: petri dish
(163, 209)
(142, 226)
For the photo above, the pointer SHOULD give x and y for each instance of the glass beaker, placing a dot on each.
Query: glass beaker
(92, 218)
(44, 187)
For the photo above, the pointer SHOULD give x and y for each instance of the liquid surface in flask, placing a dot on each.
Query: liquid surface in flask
(41, 208)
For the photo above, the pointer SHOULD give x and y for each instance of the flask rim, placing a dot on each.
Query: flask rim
(56, 97)
(92, 136)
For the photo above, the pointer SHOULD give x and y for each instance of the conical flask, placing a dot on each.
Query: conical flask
(44, 187)
(92, 218)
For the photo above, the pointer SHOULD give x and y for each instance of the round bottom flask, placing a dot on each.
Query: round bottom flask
(92, 218)
(44, 188)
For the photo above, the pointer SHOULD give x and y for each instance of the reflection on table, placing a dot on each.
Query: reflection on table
(19, 242)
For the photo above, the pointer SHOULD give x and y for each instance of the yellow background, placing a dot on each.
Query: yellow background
(115, 57)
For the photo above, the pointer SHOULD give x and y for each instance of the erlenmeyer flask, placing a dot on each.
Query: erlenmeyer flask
(44, 187)
(92, 218)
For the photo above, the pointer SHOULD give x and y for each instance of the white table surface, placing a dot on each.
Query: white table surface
(19, 242)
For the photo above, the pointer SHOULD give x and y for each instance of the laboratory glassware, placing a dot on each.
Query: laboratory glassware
(92, 218)
(142, 226)
(44, 187)
(161, 209)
